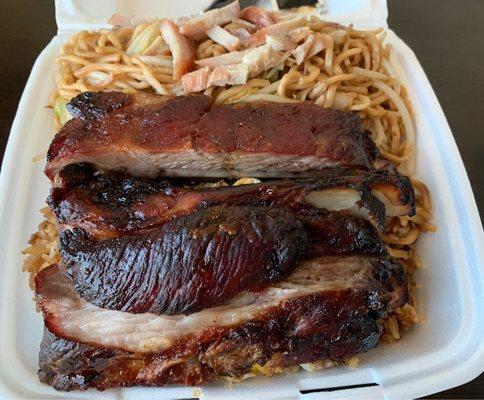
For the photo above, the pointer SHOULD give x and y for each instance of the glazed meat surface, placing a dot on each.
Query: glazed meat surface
(192, 263)
(169, 277)
(380, 281)
(149, 135)
(108, 205)
(326, 309)
(201, 259)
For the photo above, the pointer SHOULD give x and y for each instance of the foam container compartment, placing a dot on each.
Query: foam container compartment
(445, 351)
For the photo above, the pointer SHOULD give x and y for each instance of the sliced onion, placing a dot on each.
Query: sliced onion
(342, 101)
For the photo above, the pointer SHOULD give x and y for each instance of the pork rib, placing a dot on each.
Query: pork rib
(199, 260)
(193, 262)
(334, 292)
(298, 334)
(326, 309)
(108, 205)
(189, 136)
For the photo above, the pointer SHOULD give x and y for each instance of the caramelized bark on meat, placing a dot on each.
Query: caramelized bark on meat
(163, 281)
(303, 323)
(200, 260)
(300, 332)
(68, 315)
(193, 262)
(336, 233)
(188, 136)
(96, 104)
(107, 205)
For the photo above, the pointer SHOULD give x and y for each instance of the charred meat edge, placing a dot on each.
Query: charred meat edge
(193, 262)
(333, 324)
(149, 135)
(115, 204)
(380, 281)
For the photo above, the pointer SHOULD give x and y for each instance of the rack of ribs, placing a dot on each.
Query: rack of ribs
(166, 277)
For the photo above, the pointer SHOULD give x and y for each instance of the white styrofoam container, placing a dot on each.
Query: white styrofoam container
(446, 351)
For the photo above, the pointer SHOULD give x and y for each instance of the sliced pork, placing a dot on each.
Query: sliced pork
(327, 301)
(224, 38)
(108, 204)
(282, 28)
(193, 262)
(189, 136)
(259, 16)
(197, 26)
(202, 259)
(181, 48)
(328, 326)
(235, 57)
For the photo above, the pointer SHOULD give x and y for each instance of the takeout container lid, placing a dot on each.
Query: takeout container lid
(446, 351)
(76, 15)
